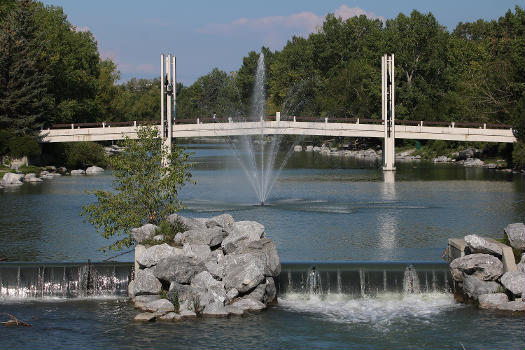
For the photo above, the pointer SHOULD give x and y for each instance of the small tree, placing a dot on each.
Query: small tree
(144, 190)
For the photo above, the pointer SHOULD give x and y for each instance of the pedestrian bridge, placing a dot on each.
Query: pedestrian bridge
(276, 125)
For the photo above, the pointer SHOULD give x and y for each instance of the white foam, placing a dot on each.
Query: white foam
(380, 310)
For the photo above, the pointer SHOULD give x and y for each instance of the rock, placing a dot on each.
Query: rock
(243, 271)
(210, 236)
(146, 298)
(178, 269)
(473, 162)
(189, 223)
(516, 306)
(31, 177)
(514, 281)
(266, 250)
(144, 232)
(474, 287)
(171, 316)
(160, 306)
(441, 159)
(468, 153)
(187, 313)
(242, 233)
(215, 309)
(223, 220)
(77, 172)
(516, 235)
(298, 148)
(145, 317)
(248, 305)
(270, 292)
(232, 310)
(316, 149)
(151, 256)
(131, 289)
(94, 170)
(491, 301)
(146, 283)
(309, 148)
(11, 179)
(232, 294)
(51, 168)
(480, 245)
(158, 238)
(184, 292)
(521, 264)
(483, 266)
(257, 293)
(62, 170)
(205, 282)
(200, 252)
(216, 269)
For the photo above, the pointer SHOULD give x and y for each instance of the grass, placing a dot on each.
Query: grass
(169, 231)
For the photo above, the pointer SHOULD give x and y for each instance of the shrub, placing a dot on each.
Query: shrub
(20, 146)
(167, 230)
(84, 154)
(173, 297)
(518, 155)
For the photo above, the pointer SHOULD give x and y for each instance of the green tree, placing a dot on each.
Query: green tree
(24, 101)
(145, 191)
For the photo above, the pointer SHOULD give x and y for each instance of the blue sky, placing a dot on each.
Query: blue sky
(208, 34)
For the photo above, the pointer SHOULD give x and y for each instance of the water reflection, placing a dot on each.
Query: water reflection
(387, 220)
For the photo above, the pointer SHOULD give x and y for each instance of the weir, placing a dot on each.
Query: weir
(20, 280)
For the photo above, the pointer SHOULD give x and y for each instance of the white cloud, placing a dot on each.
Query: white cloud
(275, 30)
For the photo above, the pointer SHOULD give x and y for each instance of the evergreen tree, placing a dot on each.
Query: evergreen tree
(24, 102)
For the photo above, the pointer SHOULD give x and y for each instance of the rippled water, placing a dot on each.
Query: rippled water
(321, 209)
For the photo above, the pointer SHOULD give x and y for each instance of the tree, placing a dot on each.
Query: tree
(24, 101)
(145, 191)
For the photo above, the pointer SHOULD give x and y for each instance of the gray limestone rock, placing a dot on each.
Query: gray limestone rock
(248, 305)
(473, 162)
(94, 170)
(240, 234)
(514, 282)
(152, 255)
(474, 287)
(215, 309)
(11, 179)
(266, 250)
(170, 317)
(480, 245)
(232, 310)
(146, 283)
(144, 232)
(468, 153)
(243, 271)
(184, 292)
(232, 294)
(199, 252)
(516, 306)
(31, 177)
(210, 236)
(270, 293)
(203, 282)
(257, 293)
(160, 306)
(146, 298)
(145, 317)
(178, 269)
(521, 264)
(77, 172)
(189, 223)
(222, 221)
(516, 234)
(483, 266)
(491, 301)
(131, 289)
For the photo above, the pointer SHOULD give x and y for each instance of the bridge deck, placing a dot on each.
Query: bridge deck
(421, 131)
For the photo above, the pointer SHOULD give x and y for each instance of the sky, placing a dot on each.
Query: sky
(208, 34)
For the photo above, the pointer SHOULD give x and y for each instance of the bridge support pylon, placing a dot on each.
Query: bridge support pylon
(388, 111)
(168, 105)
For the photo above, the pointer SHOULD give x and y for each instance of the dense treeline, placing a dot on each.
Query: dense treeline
(51, 72)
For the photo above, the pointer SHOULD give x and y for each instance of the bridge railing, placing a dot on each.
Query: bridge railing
(208, 120)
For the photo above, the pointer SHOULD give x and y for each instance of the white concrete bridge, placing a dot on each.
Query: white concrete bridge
(418, 130)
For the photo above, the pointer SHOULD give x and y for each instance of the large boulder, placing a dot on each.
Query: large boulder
(266, 250)
(145, 283)
(474, 287)
(178, 269)
(515, 306)
(243, 271)
(78, 172)
(468, 153)
(473, 162)
(514, 281)
(31, 177)
(223, 221)
(205, 282)
(480, 245)
(94, 170)
(491, 301)
(215, 309)
(516, 235)
(212, 236)
(189, 223)
(160, 306)
(11, 179)
(521, 265)
(144, 232)
(184, 292)
(152, 255)
(270, 292)
(483, 266)
(257, 293)
(199, 252)
(248, 305)
(241, 233)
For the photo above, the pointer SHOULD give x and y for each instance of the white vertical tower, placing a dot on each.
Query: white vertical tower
(388, 111)
(168, 85)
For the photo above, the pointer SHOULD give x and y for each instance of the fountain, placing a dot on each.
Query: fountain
(256, 158)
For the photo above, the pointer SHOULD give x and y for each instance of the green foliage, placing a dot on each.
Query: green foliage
(84, 154)
(168, 231)
(20, 146)
(30, 169)
(144, 191)
(518, 155)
